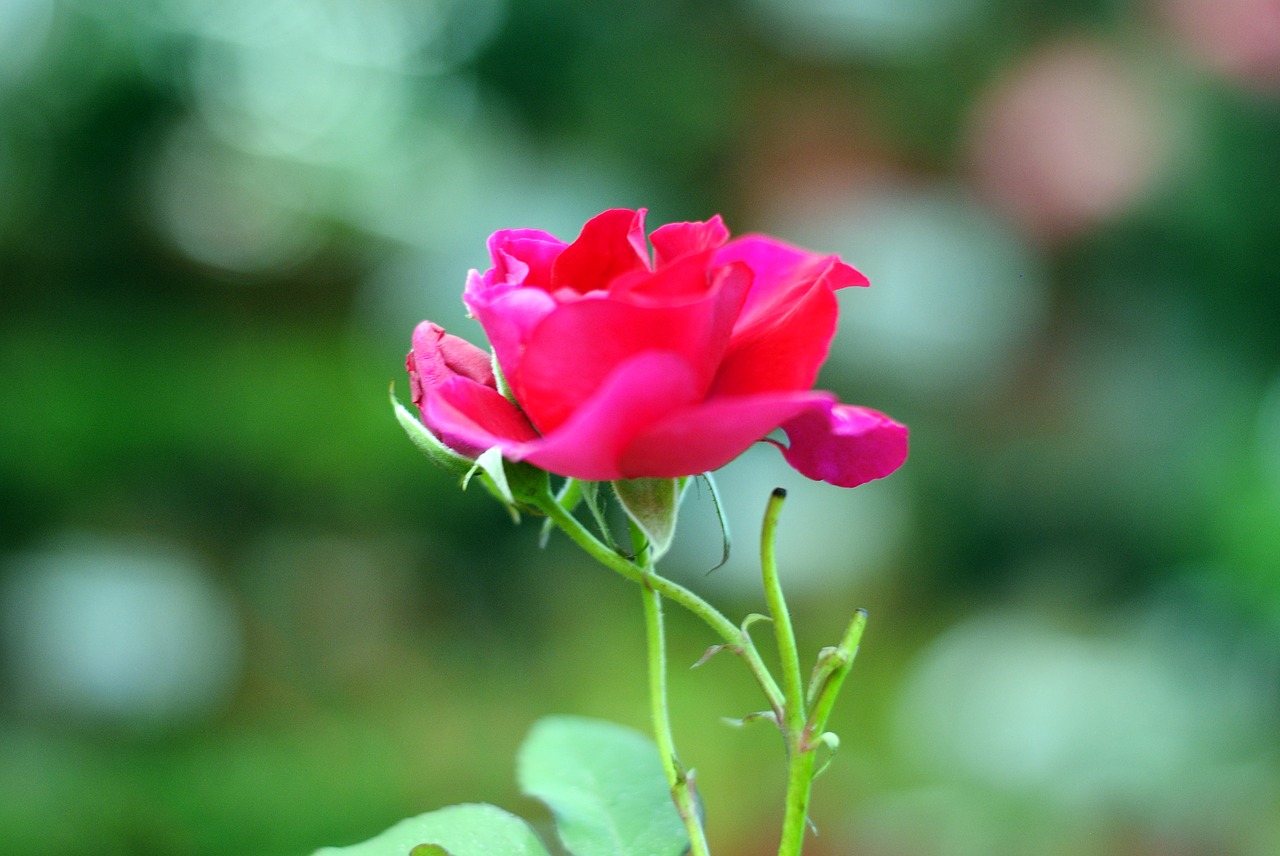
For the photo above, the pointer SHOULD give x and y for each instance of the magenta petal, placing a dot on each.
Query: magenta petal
(783, 272)
(437, 357)
(440, 356)
(707, 435)
(471, 418)
(524, 256)
(677, 240)
(844, 445)
(612, 243)
(590, 444)
(687, 279)
(577, 347)
(509, 318)
(784, 354)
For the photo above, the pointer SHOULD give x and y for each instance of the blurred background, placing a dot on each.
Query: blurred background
(239, 614)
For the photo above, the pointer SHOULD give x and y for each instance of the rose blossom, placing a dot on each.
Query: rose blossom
(622, 367)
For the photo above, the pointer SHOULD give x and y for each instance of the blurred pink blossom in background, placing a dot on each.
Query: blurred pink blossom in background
(1067, 139)
(1237, 38)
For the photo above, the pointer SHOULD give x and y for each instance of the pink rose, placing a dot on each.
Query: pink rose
(621, 366)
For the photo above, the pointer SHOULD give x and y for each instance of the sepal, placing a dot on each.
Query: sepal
(652, 505)
(591, 495)
(517, 485)
(726, 538)
(429, 444)
(500, 381)
(738, 722)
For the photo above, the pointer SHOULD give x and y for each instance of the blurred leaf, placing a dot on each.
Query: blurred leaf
(604, 784)
(473, 829)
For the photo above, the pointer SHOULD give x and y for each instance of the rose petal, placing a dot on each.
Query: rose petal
(687, 279)
(509, 317)
(677, 240)
(707, 435)
(783, 272)
(524, 256)
(611, 244)
(472, 418)
(784, 354)
(580, 344)
(844, 445)
(438, 357)
(590, 444)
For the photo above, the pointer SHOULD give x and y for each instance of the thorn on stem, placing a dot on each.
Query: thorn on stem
(710, 652)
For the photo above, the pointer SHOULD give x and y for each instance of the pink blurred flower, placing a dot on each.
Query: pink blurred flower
(1238, 38)
(1067, 139)
(620, 366)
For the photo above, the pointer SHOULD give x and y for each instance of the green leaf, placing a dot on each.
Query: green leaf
(428, 443)
(652, 505)
(473, 829)
(605, 786)
(724, 521)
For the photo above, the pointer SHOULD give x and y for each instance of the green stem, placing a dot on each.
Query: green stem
(677, 780)
(842, 657)
(800, 756)
(734, 637)
(799, 783)
(792, 688)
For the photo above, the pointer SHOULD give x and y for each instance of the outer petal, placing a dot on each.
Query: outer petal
(781, 273)
(580, 344)
(509, 317)
(471, 418)
(590, 445)
(523, 256)
(844, 445)
(785, 354)
(677, 240)
(707, 435)
(437, 357)
(611, 244)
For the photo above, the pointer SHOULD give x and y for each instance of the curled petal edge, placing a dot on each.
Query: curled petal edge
(844, 445)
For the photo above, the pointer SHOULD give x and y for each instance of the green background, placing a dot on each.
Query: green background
(239, 614)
